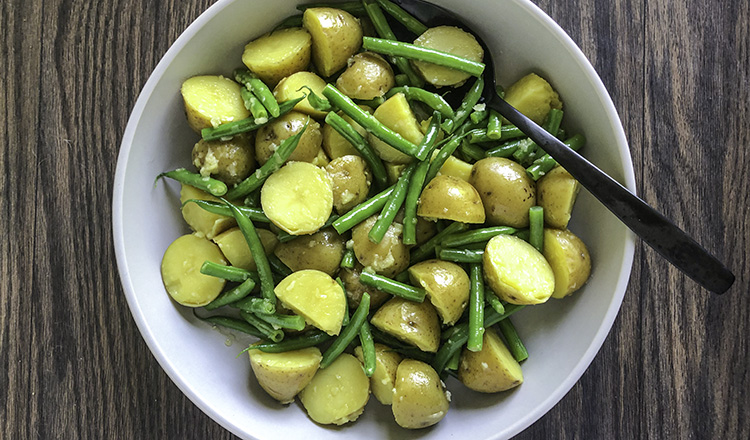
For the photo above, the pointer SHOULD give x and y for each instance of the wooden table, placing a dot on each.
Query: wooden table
(74, 366)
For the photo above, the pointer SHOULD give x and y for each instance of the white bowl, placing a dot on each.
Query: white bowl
(562, 336)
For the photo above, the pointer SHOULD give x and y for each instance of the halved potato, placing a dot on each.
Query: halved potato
(322, 251)
(389, 257)
(569, 259)
(229, 161)
(278, 54)
(450, 198)
(516, 271)
(455, 167)
(291, 88)
(396, 114)
(270, 136)
(351, 181)
(212, 100)
(452, 40)
(284, 375)
(367, 76)
(415, 323)
(338, 393)
(490, 370)
(383, 380)
(335, 145)
(234, 247)
(447, 286)
(336, 36)
(556, 192)
(419, 397)
(315, 296)
(204, 223)
(180, 270)
(533, 96)
(506, 190)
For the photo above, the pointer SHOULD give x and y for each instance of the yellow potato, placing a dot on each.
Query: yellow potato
(394, 171)
(396, 114)
(335, 145)
(229, 161)
(336, 36)
(351, 181)
(491, 370)
(291, 88)
(204, 223)
(455, 167)
(367, 76)
(419, 398)
(278, 54)
(355, 288)
(315, 296)
(270, 136)
(556, 192)
(322, 251)
(533, 96)
(298, 198)
(516, 271)
(383, 380)
(447, 286)
(234, 247)
(452, 40)
(506, 190)
(180, 271)
(284, 375)
(390, 257)
(451, 198)
(338, 393)
(415, 323)
(321, 160)
(569, 259)
(212, 100)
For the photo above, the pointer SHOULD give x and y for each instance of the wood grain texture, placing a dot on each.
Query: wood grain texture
(74, 365)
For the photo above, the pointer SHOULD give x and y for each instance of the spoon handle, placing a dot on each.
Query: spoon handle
(650, 225)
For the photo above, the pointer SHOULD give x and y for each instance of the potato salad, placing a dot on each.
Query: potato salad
(372, 233)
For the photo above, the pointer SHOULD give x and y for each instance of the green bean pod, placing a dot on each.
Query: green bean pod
(210, 185)
(391, 207)
(359, 143)
(232, 295)
(393, 287)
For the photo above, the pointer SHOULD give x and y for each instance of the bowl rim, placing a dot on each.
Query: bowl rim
(145, 330)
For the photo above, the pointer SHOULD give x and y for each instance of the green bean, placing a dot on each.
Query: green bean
(369, 122)
(425, 249)
(442, 155)
(278, 266)
(346, 303)
(372, 103)
(259, 89)
(467, 105)
(419, 53)
(494, 302)
(545, 163)
(255, 305)
(507, 132)
(234, 324)
(393, 287)
(348, 333)
(523, 234)
(525, 152)
(461, 255)
(278, 320)
(476, 308)
(362, 211)
(399, 347)
(433, 100)
(494, 126)
(232, 295)
(316, 102)
(515, 345)
(427, 145)
(506, 149)
(409, 235)
(391, 207)
(401, 80)
(453, 363)
(353, 7)
(208, 184)
(478, 116)
(306, 340)
(412, 24)
(368, 348)
(476, 236)
(347, 261)
(471, 151)
(253, 214)
(256, 249)
(244, 125)
(284, 236)
(361, 145)
(253, 104)
(536, 227)
(229, 273)
(275, 335)
(277, 159)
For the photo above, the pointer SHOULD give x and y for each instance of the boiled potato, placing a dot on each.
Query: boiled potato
(204, 223)
(516, 271)
(383, 380)
(396, 114)
(455, 167)
(506, 190)
(291, 88)
(270, 136)
(234, 247)
(533, 96)
(321, 160)
(322, 251)
(452, 40)
(355, 288)
(389, 257)
(490, 370)
(284, 375)
(338, 393)
(336, 36)
(419, 398)
(447, 286)
(556, 192)
(212, 100)
(229, 161)
(298, 198)
(350, 179)
(450, 198)
(367, 76)
(394, 171)
(415, 323)
(315, 296)
(181, 270)
(569, 259)
(335, 145)
(278, 54)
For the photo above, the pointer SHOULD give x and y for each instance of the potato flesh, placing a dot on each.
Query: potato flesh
(291, 88)
(396, 114)
(506, 190)
(556, 194)
(336, 36)
(455, 167)
(367, 76)
(383, 380)
(447, 286)
(284, 375)
(315, 296)
(415, 323)
(204, 223)
(270, 137)
(533, 96)
(298, 198)
(516, 271)
(338, 393)
(180, 271)
(229, 161)
(450, 198)
(351, 181)
(452, 40)
(321, 251)
(235, 249)
(335, 145)
(278, 54)
(419, 399)
(569, 259)
(212, 100)
(491, 370)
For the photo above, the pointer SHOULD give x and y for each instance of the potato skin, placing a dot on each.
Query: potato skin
(383, 379)
(351, 181)
(452, 40)
(270, 137)
(389, 257)
(569, 259)
(212, 100)
(491, 370)
(415, 323)
(367, 76)
(291, 88)
(556, 192)
(336, 36)
(337, 394)
(204, 223)
(447, 286)
(419, 399)
(355, 288)
(322, 251)
(450, 198)
(235, 249)
(278, 54)
(284, 375)
(229, 161)
(506, 190)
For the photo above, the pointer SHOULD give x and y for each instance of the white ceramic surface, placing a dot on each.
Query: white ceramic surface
(562, 336)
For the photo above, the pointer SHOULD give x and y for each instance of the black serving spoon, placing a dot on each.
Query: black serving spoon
(650, 225)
